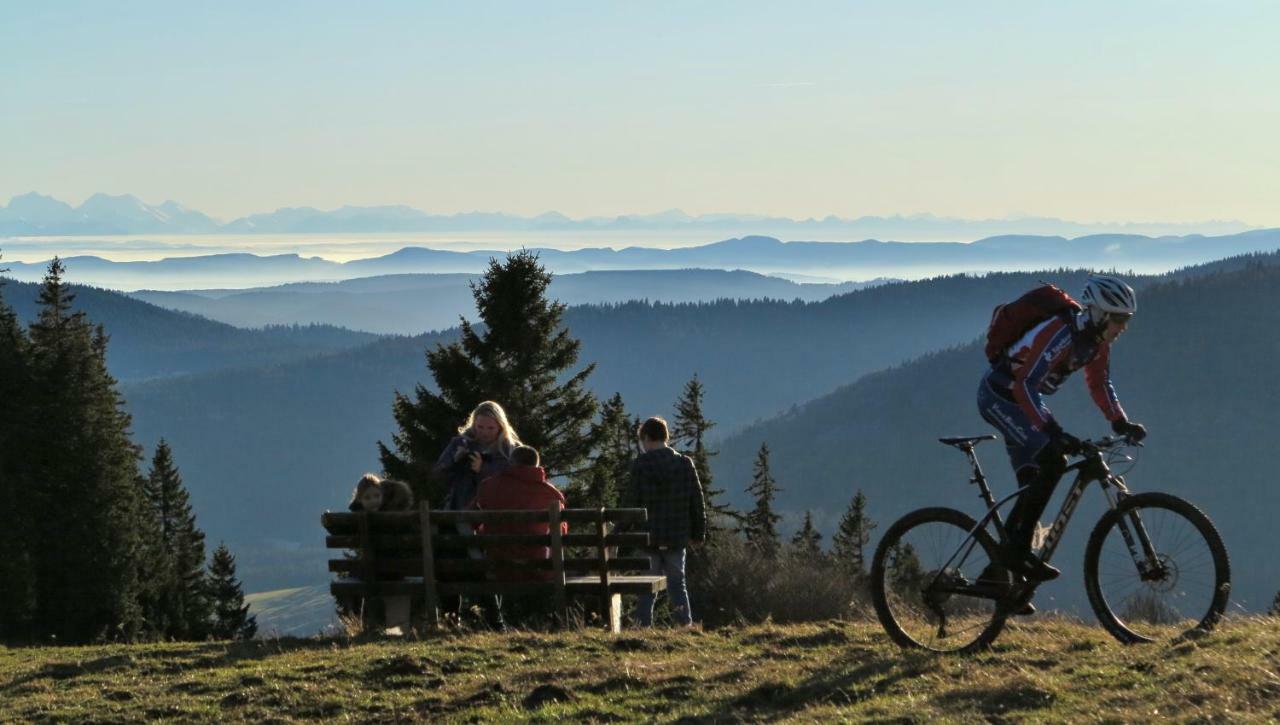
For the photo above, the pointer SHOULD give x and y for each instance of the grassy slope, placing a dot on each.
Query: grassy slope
(1041, 671)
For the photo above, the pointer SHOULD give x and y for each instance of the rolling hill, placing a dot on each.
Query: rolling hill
(413, 303)
(864, 260)
(151, 342)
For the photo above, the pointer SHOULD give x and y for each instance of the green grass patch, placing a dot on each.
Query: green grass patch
(1040, 670)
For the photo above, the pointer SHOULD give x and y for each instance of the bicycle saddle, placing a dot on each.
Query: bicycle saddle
(966, 442)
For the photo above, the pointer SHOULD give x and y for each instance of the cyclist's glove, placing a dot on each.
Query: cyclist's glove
(1061, 439)
(1133, 431)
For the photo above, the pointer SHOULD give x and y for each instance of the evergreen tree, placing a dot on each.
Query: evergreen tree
(808, 542)
(183, 608)
(518, 358)
(1275, 606)
(17, 596)
(88, 508)
(688, 434)
(761, 524)
(904, 570)
(616, 447)
(853, 535)
(231, 619)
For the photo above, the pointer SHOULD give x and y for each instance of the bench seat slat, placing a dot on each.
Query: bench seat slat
(413, 566)
(642, 584)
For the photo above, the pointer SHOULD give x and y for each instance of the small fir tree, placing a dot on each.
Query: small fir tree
(760, 525)
(850, 541)
(231, 618)
(1275, 606)
(616, 447)
(520, 357)
(807, 542)
(183, 602)
(688, 434)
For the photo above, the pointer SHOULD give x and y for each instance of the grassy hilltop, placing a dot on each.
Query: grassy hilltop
(840, 670)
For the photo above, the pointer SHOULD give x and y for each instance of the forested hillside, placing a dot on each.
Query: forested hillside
(292, 439)
(151, 342)
(416, 303)
(1196, 366)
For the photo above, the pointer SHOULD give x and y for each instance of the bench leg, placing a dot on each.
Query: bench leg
(615, 613)
(396, 610)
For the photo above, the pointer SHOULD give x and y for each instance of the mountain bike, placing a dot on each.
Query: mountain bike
(1155, 567)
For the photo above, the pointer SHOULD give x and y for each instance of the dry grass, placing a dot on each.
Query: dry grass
(1043, 670)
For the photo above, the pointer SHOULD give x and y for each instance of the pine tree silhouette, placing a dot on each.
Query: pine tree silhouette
(518, 356)
(17, 596)
(760, 525)
(688, 435)
(616, 447)
(183, 603)
(88, 536)
(807, 542)
(853, 535)
(231, 619)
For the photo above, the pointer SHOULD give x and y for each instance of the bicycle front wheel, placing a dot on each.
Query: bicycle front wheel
(934, 586)
(1155, 568)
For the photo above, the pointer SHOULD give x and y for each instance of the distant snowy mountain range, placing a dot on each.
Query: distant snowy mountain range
(35, 214)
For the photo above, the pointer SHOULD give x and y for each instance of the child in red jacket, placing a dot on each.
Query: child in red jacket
(522, 486)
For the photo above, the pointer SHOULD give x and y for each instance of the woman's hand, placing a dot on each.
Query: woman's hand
(460, 453)
(476, 462)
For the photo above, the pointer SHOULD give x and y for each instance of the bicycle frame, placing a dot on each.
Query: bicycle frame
(1088, 469)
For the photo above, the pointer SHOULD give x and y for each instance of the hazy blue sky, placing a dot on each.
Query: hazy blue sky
(1086, 110)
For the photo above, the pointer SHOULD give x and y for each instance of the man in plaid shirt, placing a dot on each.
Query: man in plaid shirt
(666, 483)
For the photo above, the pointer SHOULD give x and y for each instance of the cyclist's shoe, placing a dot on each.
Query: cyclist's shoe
(1026, 564)
(997, 577)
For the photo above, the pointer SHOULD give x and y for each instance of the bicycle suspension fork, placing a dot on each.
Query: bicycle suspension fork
(1148, 561)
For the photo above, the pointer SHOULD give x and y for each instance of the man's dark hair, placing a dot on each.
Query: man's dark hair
(655, 429)
(525, 456)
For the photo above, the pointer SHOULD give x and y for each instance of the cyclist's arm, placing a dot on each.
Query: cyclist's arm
(1047, 349)
(1097, 375)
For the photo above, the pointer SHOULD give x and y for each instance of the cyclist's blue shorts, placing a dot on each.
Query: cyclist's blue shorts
(1021, 439)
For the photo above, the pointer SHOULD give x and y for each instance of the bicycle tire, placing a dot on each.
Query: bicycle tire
(1215, 600)
(882, 591)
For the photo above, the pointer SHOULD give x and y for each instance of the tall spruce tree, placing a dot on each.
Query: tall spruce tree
(183, 607)
(17, 596)
(615, 436)
(850, 541)
(518, 356)
(688, 434)
(807, 542)
(88, 532)
(231, 618)
(760, 525)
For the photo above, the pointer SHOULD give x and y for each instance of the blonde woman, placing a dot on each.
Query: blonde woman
(482, 449)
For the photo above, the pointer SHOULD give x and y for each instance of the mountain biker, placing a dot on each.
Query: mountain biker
(1010, 398)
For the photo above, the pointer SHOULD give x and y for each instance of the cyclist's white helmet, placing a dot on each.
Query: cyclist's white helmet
(1106, 296)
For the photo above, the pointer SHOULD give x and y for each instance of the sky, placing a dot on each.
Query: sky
(1091, 111)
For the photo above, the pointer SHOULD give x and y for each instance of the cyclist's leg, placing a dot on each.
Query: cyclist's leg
(1037, 464)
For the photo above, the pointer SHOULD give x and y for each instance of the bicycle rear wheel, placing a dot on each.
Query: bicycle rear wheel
(934, 587)
(1182, 584)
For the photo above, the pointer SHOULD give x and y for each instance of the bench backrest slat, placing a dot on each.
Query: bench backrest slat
(384, 521)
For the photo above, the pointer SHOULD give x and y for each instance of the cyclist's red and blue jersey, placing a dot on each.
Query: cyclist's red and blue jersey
(1011, 395)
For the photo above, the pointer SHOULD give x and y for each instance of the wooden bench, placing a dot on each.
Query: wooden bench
(396, 554)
